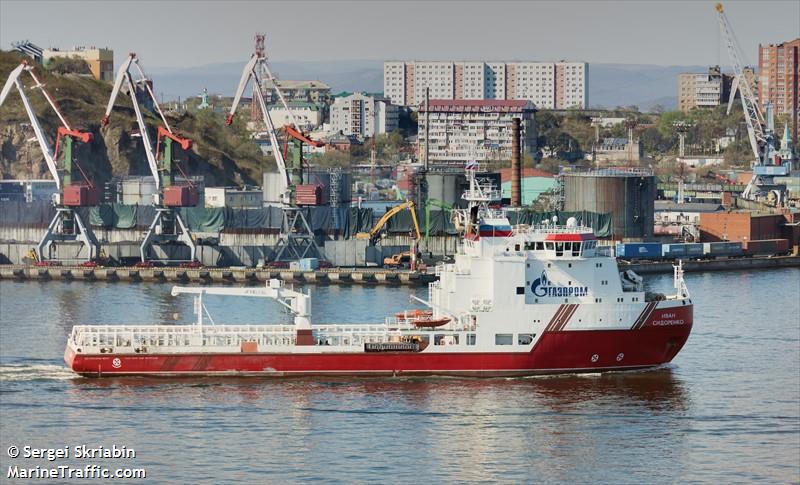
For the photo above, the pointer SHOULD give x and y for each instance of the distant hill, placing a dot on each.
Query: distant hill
(610, 85)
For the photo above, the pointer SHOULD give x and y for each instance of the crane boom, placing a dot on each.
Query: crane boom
(752, 113)
(249, 73)
(125, 77)
(13, 81)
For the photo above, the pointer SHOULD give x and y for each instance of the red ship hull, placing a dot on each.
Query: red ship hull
(555, 352)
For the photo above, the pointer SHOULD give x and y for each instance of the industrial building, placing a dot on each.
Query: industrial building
(628, 194)
(778, 75)
(459, 130)
(136, 190)
(549, 85)
(337, 186)
(100, 60)
(703, 90)
(747, 226)
(533, 183)
(235, 197)
(28, 190)
(363, 116)
(618, 150)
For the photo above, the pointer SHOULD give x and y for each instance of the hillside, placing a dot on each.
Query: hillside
(222, 154)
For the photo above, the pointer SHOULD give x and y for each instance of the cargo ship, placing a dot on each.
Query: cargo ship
(515, 301)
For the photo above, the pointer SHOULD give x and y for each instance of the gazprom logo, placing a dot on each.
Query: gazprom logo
(542, 286)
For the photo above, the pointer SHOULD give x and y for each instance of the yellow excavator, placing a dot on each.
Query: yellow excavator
(406, 257)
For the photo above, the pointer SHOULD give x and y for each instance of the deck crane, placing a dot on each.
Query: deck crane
(760, 129)
(167, 225)
(296, 240)
(74, 187)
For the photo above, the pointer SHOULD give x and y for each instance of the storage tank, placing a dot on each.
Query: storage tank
(627, 193)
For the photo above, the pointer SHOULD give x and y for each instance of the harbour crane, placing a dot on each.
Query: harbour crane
(74, 188)
(167, 225)
(295, 240)
(760, 128)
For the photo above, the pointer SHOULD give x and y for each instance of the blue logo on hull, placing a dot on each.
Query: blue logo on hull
(542, 286)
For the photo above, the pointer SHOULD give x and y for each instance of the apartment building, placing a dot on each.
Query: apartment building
(363, 116)
(549, 85)
(703, 90)
(454, 131)
(778, 74)
(309, 91)
(308, 116)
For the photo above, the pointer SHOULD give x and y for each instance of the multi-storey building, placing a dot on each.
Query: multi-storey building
(363, 116)
(308, 116)
(100, 61)
(703, 90)
(461, 130)
(308, 91)
(778, 75)
(549, 85)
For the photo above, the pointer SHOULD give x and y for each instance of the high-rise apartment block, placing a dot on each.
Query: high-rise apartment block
(778, 74)
(549, 85)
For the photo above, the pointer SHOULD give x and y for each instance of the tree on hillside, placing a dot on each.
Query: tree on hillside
(68, 65)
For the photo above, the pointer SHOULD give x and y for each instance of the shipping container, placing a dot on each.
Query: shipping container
(694, 250)
(766, 247)
(674, 251)
(79, 195)
(180, 196)
(308, 264)
(639, 250)
(311, 194)
(716, 249)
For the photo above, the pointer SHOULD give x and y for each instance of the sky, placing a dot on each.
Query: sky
(190, 33)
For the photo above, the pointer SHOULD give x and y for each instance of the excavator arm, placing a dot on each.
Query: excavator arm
(374, 233)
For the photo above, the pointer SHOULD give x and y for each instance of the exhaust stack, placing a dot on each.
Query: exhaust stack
(516, 164)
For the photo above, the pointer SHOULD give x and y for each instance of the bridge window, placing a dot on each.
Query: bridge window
(470, 339)
(559, 249)
(520, 290)
(504, 339)
(525, 338)
(576, 249)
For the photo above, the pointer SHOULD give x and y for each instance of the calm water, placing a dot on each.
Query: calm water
(726, 410)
